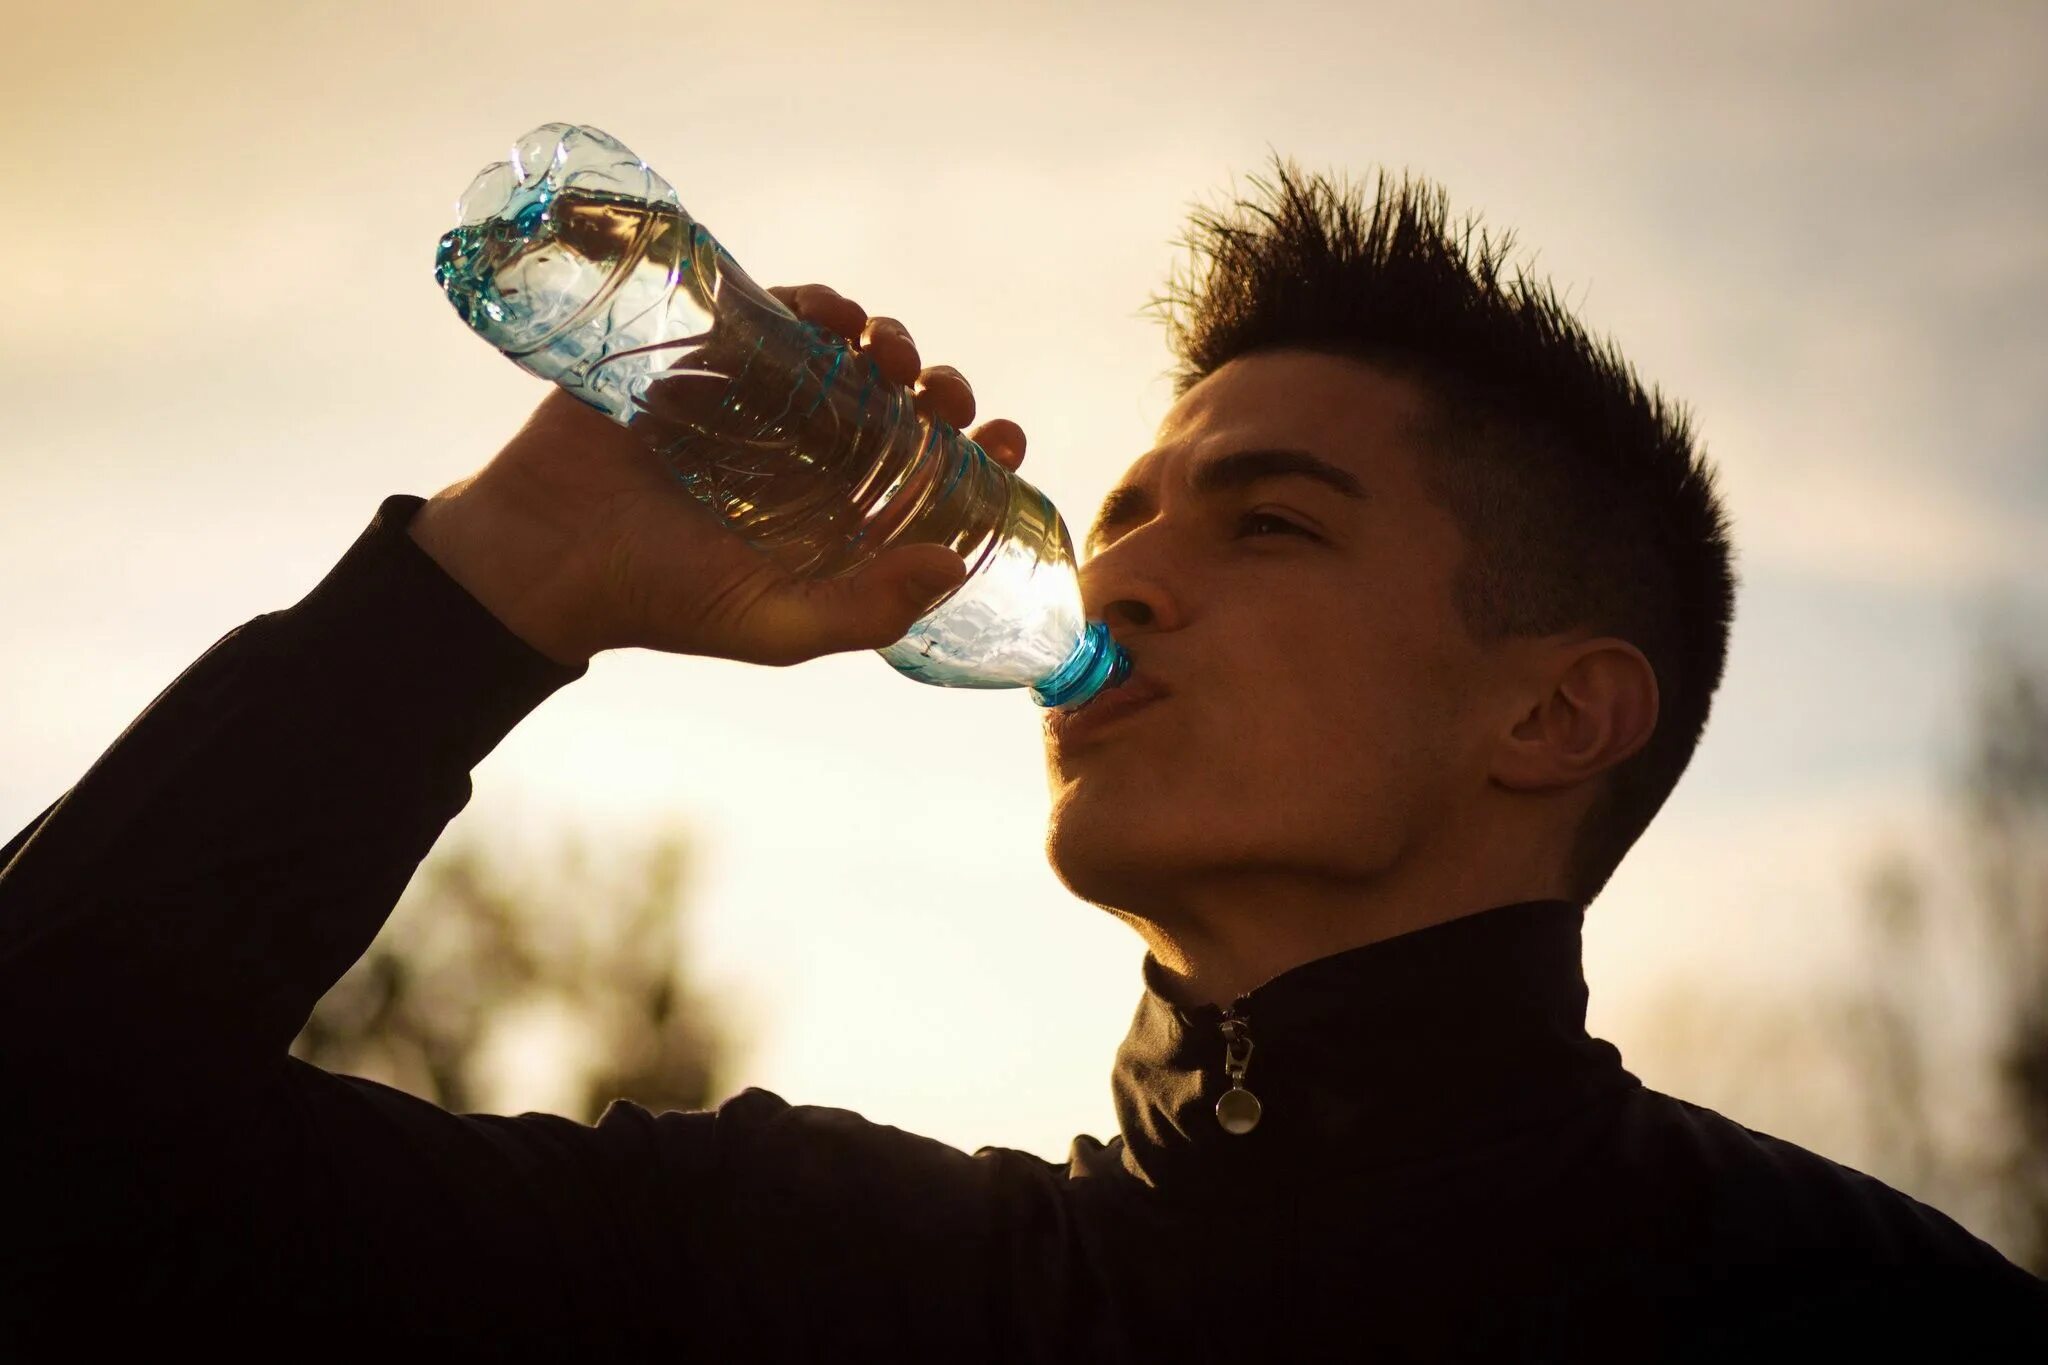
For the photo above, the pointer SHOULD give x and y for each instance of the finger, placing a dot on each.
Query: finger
(945, 393)
(791, 295)
(1002, 439)
(824, 305)
(872, 609)
(888, 341)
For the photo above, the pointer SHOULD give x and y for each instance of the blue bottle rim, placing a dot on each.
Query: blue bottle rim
(1097, 662)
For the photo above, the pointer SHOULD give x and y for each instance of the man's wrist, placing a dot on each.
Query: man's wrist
(507, 563)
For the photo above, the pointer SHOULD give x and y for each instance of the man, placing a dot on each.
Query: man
(1427, 601)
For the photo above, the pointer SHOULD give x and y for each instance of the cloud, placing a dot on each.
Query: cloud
(1887, 525)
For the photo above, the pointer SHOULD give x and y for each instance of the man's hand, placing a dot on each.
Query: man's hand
(579, 540)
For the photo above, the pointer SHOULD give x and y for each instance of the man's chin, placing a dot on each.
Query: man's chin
(1106, 862)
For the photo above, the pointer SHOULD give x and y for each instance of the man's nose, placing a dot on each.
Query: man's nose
(1126, 611)
(1126, 595)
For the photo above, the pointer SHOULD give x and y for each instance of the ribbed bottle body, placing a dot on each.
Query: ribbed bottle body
(579, 263)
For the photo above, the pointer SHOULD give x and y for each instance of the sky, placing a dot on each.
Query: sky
(1818, 226)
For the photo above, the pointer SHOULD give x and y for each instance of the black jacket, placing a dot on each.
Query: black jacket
(1445, 1165)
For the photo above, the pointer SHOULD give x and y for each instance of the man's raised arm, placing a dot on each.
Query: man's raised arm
(167, 925)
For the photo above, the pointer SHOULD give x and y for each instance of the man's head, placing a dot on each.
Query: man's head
(1467, 662)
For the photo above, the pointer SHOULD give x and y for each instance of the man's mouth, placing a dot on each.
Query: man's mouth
(1109, 707)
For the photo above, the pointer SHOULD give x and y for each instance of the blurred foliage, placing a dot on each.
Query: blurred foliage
(475, 946)
(1999, 790)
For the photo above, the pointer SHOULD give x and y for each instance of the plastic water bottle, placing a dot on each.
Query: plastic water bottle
(579, 263)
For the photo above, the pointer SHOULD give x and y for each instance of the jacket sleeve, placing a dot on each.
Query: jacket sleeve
(169, 922)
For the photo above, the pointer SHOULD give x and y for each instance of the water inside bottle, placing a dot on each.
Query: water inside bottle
(577, 262)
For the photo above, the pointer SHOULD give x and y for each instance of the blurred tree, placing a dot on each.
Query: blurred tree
(1999, 926)
(474, 946)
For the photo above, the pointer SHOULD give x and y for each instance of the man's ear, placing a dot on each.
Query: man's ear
(1593, 705)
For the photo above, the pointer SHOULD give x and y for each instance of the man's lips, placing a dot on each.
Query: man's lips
(1072, 727)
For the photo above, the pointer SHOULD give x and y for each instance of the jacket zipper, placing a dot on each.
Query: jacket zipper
(1238, 1110)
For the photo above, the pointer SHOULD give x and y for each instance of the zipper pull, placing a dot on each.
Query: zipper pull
(1238, 1111)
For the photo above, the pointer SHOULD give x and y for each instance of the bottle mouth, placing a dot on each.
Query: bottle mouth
(1098, 662)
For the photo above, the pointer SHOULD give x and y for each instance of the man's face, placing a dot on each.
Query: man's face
(1322, 712)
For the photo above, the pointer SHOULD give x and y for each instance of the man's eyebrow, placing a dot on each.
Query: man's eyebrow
(1235, 470)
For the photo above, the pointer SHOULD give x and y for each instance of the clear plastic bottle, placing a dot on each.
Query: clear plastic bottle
(579, 263)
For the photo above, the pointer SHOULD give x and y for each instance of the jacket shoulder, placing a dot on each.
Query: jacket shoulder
(1767, 1246)
(1761, 1193)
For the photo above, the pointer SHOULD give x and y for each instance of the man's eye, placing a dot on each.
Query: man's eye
(1285, 526)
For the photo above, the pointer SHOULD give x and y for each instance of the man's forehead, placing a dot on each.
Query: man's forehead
(1349, 413)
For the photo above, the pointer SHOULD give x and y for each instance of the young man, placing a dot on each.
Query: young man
(1427, 601)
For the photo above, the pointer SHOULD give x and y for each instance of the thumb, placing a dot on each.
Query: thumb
(877, 606)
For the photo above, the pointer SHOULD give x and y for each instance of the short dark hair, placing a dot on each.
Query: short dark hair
(1582, 498)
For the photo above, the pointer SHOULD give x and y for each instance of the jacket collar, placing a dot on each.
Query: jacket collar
(1398, 1051)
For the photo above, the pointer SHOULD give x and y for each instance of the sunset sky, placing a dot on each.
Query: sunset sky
(1819, 226)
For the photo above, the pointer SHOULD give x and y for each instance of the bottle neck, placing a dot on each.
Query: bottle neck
(1097, 662)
